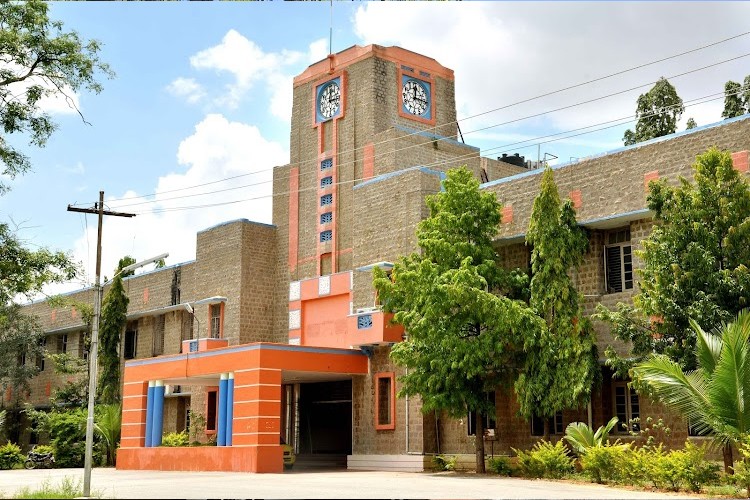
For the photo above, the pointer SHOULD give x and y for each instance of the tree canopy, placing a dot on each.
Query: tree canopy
(694, 263)
(462, 339)
(38, 60)
(657, 113)
(560, 363)
(113, 320)
(733, 105)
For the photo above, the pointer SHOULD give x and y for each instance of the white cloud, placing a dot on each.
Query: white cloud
(187, 88)
(249, 66)
(505, 52)
(217, 149)
(77, 169)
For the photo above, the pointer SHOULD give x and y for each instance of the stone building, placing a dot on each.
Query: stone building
(273, 333)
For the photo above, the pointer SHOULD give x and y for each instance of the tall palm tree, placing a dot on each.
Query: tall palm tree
(715, 397)
(108, 425)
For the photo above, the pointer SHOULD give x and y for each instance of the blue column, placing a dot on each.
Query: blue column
(221, 431)
(158, 416)
(230, 408)
(149, 412)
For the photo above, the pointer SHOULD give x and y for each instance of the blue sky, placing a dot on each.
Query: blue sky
(203, 92)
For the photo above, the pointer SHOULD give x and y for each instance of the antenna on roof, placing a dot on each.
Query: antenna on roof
(330, 33)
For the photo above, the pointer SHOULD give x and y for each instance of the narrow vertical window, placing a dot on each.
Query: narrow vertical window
(131, 341)
(211, 406)
(215, 321)
(385, 401)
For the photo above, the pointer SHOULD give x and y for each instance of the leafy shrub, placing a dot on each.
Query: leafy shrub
(741, 476)
(638, 466)
(10, 456)
(443, 462)
(173, 439)
(695, 470)
(500, 465)
(67, 432)
(545, 460)
(604, 463)
(581, 437)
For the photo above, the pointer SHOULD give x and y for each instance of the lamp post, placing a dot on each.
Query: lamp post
(93, 368)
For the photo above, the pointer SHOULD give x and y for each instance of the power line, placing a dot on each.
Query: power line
(623, 120)
(515, 120)
(434, 128)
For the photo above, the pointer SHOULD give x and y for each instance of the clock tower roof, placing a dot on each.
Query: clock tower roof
(356, 53)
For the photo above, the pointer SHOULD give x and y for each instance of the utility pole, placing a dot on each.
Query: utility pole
(93, 354)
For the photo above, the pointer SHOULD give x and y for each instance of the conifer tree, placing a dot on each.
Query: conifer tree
(560, 364)
(113, 319)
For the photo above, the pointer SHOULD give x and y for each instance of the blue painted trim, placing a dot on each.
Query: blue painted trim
(396, 173)
(221, 432)
(434, 137)
(639, 212)
(149, 415)
(242, 348)
(616, 151)
(319, 90)
(157, 428)
(230, 411)
(427, 87)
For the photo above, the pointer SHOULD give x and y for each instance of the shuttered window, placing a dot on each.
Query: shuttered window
(618, 262)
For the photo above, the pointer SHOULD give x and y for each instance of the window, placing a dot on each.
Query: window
(326, 218)
(40, 358)
(82, 352)
(326, 236)
(618, 262)
(215, 320)
(385, 401)
(326, 164)
(627, 407)
(693, 430)
(158, 347)
(326, 181)
(211, 407)
(489, 423)
(62, 343)
(555, 425)
(326, 200)
(131, 340)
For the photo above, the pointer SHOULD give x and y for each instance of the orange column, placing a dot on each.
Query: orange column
(257, 418)
(134, 414)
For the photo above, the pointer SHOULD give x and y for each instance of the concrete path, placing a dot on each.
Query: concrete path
(111, 483)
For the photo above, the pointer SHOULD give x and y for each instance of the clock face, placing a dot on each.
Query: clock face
(415, 97)
(329, 101)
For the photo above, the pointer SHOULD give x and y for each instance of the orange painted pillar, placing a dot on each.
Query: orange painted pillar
(257, 418)
(134, 395)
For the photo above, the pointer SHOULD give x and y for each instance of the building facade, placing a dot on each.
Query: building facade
(273, 335)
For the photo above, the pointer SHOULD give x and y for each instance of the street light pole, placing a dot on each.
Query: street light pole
(94, 349)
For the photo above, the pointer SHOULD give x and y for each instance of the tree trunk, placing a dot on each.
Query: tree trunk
(479, 441)
(728, 459)
(546, 429)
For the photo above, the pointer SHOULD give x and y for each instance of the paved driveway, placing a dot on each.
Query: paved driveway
(111, 483)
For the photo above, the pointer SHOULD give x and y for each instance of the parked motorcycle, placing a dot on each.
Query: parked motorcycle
(39, 460)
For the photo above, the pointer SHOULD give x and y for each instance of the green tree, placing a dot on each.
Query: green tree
(746, 93)
(733, 105)
(462, 339)
(560, 364)
(39, 59)
(690, 124)
(657, 112)
(714, 396)
(694, 263)
(113, 320)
